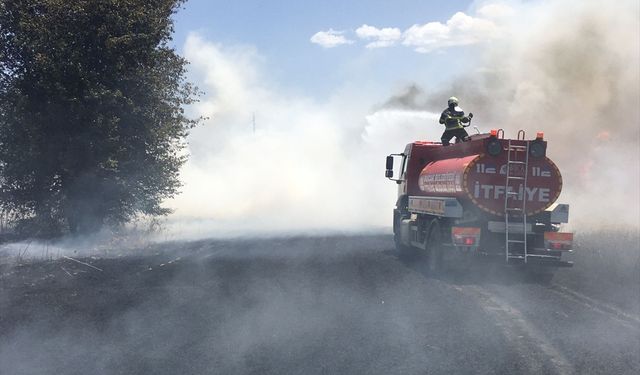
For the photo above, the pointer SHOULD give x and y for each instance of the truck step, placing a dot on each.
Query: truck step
(517, 162)
(515, 241)
(514, 178)
(515, 257)
(516, 147)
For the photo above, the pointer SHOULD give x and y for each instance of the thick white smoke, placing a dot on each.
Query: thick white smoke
(567, 68)
(571, 69)
(308, 165)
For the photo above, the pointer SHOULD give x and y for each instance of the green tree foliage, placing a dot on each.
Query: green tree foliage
(92, 127)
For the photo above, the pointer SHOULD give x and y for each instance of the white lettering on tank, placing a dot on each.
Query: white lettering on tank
(539, 172)
(498, 191)
(487, 190)
(543, 195)
(520, 193)
(531, 192)
(518, 196)
(495, 192)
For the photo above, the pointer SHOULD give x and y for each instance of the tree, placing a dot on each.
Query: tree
(92, 126)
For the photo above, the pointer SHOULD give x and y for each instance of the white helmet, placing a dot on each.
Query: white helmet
(452, 101)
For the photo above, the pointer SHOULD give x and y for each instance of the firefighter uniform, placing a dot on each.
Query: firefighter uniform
(453, 118)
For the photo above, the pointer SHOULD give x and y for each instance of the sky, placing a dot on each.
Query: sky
(334, 86)
(281, 32)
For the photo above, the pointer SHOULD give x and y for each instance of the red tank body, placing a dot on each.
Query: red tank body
(477, 179)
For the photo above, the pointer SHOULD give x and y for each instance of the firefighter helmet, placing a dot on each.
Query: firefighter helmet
(453, 101)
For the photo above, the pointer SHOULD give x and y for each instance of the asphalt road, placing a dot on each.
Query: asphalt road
(334, 305)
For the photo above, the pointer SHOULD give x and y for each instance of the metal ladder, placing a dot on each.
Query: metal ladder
(509, 210)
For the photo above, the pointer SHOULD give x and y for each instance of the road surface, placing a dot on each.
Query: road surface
(324, 305)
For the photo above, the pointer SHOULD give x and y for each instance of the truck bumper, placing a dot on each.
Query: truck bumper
(542, 262)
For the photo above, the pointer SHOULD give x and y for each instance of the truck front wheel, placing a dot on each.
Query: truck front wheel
(403, 250)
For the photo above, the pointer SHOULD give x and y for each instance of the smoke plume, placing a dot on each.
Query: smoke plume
(570, 70)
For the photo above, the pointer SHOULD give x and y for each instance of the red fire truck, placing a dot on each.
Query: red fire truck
(489, 196)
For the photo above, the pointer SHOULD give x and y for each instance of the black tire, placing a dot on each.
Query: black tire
(404, 251)
(433, 244)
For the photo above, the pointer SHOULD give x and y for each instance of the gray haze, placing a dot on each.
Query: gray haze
(568, 72)
(348, 304)
(568, 68)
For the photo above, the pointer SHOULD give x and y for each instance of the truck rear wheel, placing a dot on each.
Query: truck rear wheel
(433, 244)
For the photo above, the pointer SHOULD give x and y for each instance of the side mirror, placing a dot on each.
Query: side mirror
(388, 173)
(389, 163)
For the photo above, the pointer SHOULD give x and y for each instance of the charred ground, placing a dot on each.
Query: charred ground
(337, 304)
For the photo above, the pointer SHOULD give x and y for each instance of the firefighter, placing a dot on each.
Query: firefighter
(453, 117)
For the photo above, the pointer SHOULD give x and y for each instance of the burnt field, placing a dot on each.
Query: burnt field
(317, 305)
